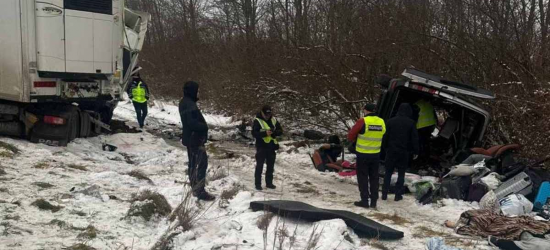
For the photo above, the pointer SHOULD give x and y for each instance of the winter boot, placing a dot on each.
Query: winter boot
(271, 186)
(362, 203)
(205, 196)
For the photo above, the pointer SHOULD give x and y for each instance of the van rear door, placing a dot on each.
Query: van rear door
(446, 85)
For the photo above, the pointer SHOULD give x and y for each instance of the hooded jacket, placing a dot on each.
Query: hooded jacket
(259, 135)
(401, 134)
(194, 127)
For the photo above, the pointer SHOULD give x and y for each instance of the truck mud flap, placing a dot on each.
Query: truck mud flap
(52, 135)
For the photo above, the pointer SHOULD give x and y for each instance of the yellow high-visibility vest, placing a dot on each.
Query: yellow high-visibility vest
(371, 141)
(426, 116)
(265, 127)
(138, 94)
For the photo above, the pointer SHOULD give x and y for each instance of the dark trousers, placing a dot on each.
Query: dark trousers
(141, 112)
(505, 244)
(367, 174)
(198, 163)
(266, 156)
(393, 161)
(424, 135)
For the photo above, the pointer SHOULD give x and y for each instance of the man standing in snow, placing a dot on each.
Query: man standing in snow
(139, 94)
(265, 130)
(367, 133)
(194, 136)
(400, 142)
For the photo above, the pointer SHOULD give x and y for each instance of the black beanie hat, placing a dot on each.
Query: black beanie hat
(370, 107)
(266, 109)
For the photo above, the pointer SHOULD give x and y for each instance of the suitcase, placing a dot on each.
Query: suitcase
(456, 187)
(477, 191)
(543, 196)
(519, 184)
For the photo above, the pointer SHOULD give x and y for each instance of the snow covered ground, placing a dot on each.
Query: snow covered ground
(93, 187)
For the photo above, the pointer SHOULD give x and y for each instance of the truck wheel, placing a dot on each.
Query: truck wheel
(85, 124)
(74, 125)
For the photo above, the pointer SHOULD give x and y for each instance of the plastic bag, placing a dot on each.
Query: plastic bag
(409, 179)
(489, 201)
(462, 170)
(437, 243)
(515, 205)
(491, 181)
(421, 188)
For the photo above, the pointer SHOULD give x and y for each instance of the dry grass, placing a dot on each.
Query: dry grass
(80, 246)
(8, 150)
(44, 185)
(4, 190)
(375, 243)
(89, 233)
(2, 171)
(45, 205)
(41, 165)
(79, 213)
(140, 176)
(148, 204)
(300, 188)
(218, 175)
(12, 217)
(422, 232)
(314, 238)
(394, 218)
(264, 220)
(230, 193)
(79, 167)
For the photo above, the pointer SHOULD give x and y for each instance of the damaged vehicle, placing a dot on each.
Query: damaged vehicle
(461, 122)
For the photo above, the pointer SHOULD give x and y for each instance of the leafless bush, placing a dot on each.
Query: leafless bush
(148, 204)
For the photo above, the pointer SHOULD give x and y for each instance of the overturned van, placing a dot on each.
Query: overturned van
(461, 123)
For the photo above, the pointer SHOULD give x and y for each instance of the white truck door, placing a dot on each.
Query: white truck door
(50, 36)
(11, 64)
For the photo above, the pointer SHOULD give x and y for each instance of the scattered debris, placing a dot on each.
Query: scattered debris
(426, 232)
(128, 158)
(45, 205)
(148, 204)
(394, 218)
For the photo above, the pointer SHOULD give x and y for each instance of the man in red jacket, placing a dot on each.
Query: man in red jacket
(367, 133)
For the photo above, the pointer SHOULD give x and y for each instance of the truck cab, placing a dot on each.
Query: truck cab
(461, 121)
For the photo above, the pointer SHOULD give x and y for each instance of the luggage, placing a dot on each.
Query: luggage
(519, 184)
(543, 196)
(477, 191)
(456, 187)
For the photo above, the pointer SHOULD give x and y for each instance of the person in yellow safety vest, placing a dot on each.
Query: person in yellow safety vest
(426, 120)
(139, 94)
(266, 129)
(368, 133)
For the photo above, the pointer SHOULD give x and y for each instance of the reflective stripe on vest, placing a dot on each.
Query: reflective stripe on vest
(426, 116)
(371, 141)
(138, 94)
(265, 127)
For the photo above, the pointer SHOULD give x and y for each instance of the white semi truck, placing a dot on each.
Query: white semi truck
(64, 65)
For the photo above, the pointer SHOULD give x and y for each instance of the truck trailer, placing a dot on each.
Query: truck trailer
(64, 65)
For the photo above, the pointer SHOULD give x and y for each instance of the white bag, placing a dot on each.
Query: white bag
(489, 201)
(491, 181)
(462, 170)
(515, 204)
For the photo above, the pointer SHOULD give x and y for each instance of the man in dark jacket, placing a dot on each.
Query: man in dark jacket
(194, 136)
(266, 129)
(399, 143)
(139, 94)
